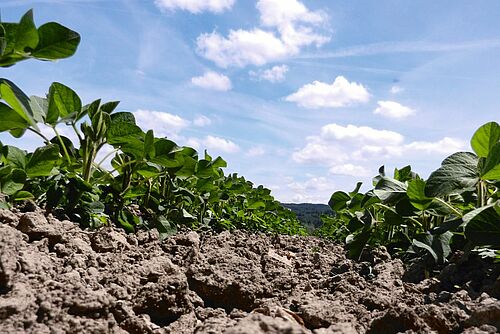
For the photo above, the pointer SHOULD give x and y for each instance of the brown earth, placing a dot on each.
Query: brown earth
(57, 278)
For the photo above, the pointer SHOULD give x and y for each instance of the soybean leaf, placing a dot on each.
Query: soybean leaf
(149, 144)
(13, 182)
(416, 194)
(441, 245)
(428, 248)
(27, 35)
(22, 195)
(56, 42)
(39, 107)
(3, 41)
(219, 163)
(458, 173)
(491, 167)
(43, 161)
(449, 225)
(390, 190)
(17, 100)
(485, 138)
(10, 119)
(109, 107)
(356, 243)
(62, 102)
(165, 227)
(483, 226)
(14, 156)
(339, 200)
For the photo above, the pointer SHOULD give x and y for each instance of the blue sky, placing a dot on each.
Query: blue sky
(305, 97)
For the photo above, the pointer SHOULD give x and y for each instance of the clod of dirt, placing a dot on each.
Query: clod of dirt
(56, 278)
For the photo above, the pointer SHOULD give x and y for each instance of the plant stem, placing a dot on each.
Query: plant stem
(62, 145)
(45, 139)
(455, 211)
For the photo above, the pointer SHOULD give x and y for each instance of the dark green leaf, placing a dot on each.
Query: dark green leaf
(339, 200)
(27, 35)
(13, 182)
(62, 102)
(483, 226)
(14, 156)
(427, 247)
(356, 243)
(56, 42)
(43, 161)
(109, 107)
(165, 227)
(390, 190)
(457, 174)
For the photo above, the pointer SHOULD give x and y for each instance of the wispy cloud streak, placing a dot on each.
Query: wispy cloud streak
(403, 47)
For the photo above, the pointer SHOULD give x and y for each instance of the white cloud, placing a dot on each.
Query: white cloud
(396, 89)
(256, 151)
(202, 121)
(312, 190)
(391, 109)
(446, 145)
(241, 48)
(274, 74)
(289, 27)
(212, 80)
(278, 13)
(357, 150)
(194, 143)
(363, 135)
(220, 144)
(340, 93)
(162, 123)
(195, 6)
(349, 169)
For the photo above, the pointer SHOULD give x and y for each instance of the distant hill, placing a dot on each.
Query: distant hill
(309, 214)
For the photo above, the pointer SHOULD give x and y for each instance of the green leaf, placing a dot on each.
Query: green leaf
(14, 156)
(109, 107)
(27, 35)
(63, 101)
(416, 194)
(390, 190)
(256, 205)
(56, 42)
(485, 138)
(491, 167)
(3, 40)
(165, 227)
(43, 161)
(483, 226)
(219, 163)
(356, 243)
(22, 196)
(428, 248)
(149, 144)
(17, 100)
(39, 107)
(339, 200)
(458, 173)
(10, 119)
(13, 182)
